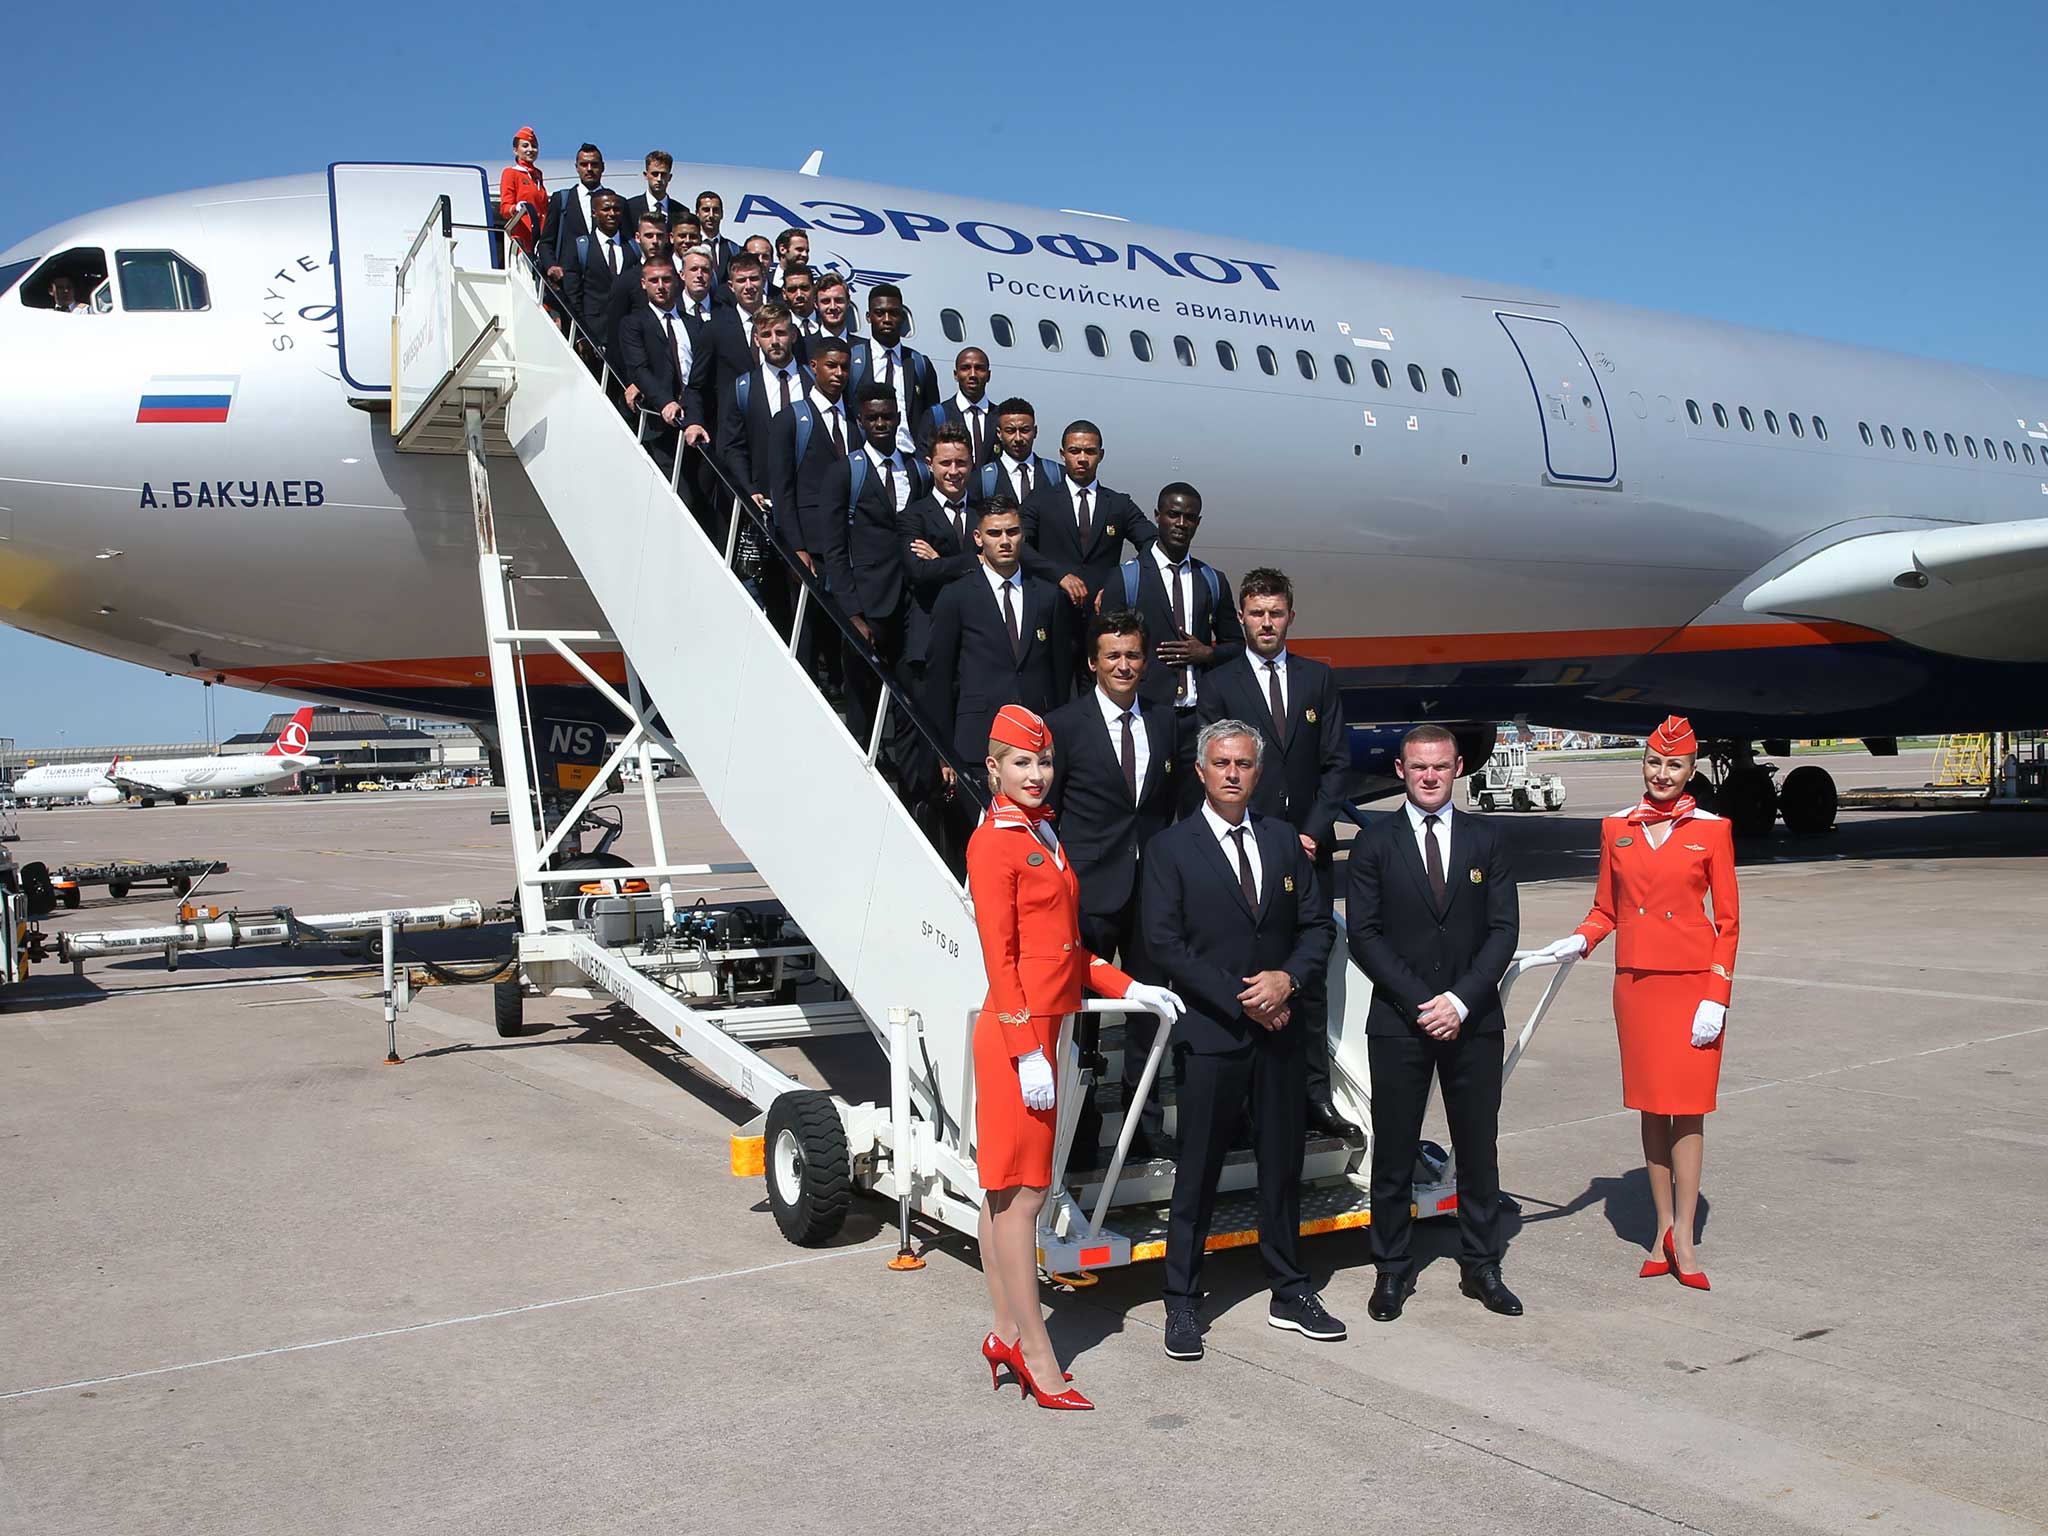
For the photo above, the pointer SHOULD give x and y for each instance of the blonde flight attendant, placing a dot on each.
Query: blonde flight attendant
(1026, 909)
(1674, 964)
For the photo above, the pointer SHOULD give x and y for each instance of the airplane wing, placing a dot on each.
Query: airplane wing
(132, 778)
(1974, 589)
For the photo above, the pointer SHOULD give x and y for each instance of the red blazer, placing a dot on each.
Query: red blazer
(1027, 905)
(1654, 899)
(519, 185)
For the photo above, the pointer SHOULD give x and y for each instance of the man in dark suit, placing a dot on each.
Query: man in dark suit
(792, 255)
(998, 637)
(1075, 528)
(937, 534)
(968, 407)
(1118, 760)
(571, 212)
(804, 443)
(731, 331)
(858, 507)
(710, 215)
(1237, 923)
(749, 403)
(651, 243)
(1433, 919)
(596, 264)
(657, 169)
(657, 359)
(884, 356)
(834, 305)
(1295, 698)
(1186, 603)
(800, 297)
(1017, 467)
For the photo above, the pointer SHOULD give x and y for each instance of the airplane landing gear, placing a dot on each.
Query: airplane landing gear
(1807, 802)
(1749, 799)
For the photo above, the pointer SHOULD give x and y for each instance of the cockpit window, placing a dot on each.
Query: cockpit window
(10, 273)
(160, 280)
(70, 280)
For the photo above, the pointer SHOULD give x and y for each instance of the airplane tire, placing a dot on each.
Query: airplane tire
(809, 1170)
(181, 799)
(1808, 800)
(561, 902)
(1705, 793)
(1750, 800)
(508, 1008)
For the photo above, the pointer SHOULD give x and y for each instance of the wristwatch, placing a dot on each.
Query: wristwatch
(1293, 986)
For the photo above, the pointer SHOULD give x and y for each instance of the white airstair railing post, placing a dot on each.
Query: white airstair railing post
(490, 576)
(902, 1155)
(668, 885)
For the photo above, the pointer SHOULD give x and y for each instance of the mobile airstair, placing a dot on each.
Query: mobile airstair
(483, 370)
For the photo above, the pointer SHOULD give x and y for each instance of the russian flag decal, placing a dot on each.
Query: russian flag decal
(187, 397)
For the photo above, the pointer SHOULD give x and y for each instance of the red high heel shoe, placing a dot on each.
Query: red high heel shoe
(1651, 1266)
(1067, 1399)
(997, 1354)
(1697, 1280)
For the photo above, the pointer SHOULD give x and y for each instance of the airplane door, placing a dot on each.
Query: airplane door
(1578, 436)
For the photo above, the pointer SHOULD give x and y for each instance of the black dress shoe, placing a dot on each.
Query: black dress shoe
(1183, 1333)
(1484, 1285)
(1323, 1120)
(1143, 1150)
(1389, 1292)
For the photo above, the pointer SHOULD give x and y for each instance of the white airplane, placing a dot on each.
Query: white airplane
(1494, 503)
(173, 778)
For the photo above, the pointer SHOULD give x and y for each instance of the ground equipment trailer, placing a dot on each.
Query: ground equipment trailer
(483, 372)
(120, 876)
(1507, 782)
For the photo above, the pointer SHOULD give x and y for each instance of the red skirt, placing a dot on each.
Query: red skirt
(1012, 1144)
(1662, 1071)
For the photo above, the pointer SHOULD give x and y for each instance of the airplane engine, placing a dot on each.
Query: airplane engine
(104, 794)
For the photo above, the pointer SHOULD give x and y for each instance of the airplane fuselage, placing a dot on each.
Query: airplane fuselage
(1520, 517)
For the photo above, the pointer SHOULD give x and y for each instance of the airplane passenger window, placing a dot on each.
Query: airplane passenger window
(1345, 372)
(1269, 361)
(1864, 428)
(1049, 336)
(2009, 456)
(1226, 355)
(1417, 379)
(1453, 386)
(1720, 415)
(1912, 446)
(1950, 439)
(1184, 350)
(1771, 421)
(1141, 346)
(1381, 374)
(1927, 437)
(1692, 410)
(83, 268)
(1792, 421)
(1005, 333)
(1820, 429)
(2027, 449)
(1971, 444)
(1306, 362)
(160, 280)
(1748, 421)
(951, 323)
(1098, 340)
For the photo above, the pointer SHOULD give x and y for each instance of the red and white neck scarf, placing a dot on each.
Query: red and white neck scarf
(1648, 812)
(1035, 819)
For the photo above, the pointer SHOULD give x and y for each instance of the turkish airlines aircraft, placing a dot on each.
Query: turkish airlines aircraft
(1493, 502)
(173, 778)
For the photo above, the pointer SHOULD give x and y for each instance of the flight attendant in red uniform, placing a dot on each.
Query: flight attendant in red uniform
(520, 182)
(1674, 965)
(1027, 911)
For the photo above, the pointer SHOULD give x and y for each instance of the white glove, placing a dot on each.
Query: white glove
(1707, 1021)
(1034, 1076)
(1570, 947)
(1157, 999)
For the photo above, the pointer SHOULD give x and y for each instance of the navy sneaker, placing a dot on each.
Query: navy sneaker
(1183, 1334)
(1305, 1315)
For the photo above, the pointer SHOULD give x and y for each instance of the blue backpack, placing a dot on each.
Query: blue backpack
(1131, 572)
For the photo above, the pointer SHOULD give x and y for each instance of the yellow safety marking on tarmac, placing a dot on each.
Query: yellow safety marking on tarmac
(1349, 1221)
(749, 1156)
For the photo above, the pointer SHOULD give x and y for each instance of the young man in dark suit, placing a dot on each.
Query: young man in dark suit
(650, 243)
(1016, 466)
(1433, 916)
(968, 406)
(1075, 528)
(656, 169)
(1237, 923)
(937, 535)
(750, 402)
(884, 356)
(1119, 757)
(596, 265)
(711, 215)
(805, 443)
(1294, 701)
(832, 301)
(998, 636)
(657, 359)
(859, 504)
(571, 212)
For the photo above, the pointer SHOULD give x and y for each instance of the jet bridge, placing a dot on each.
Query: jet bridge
(486, 371)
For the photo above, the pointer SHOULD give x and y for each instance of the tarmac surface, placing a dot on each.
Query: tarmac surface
(258, 1281)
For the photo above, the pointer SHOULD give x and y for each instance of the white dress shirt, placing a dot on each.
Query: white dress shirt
(683, 358)
(614, 254)
(1094, 491)
(1013, 471)
(906, 442)
(1420, 832)
(901, 477)
(1014, 581)
(769, 374)
(967, 408)
(1113, 717)
(583, 198)
(1183, 577)
(826, 410)
(1226, 837)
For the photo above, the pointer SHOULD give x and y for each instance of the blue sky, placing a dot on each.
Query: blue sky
(1868, 172)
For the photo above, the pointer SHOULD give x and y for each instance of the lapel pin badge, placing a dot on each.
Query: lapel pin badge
(1623, 842)
(1476, 876)
(1034, 859)
(1041, 635)
(1287, 883)
(1309, 715)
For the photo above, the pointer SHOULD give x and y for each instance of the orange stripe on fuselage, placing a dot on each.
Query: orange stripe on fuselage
(1338, 650)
